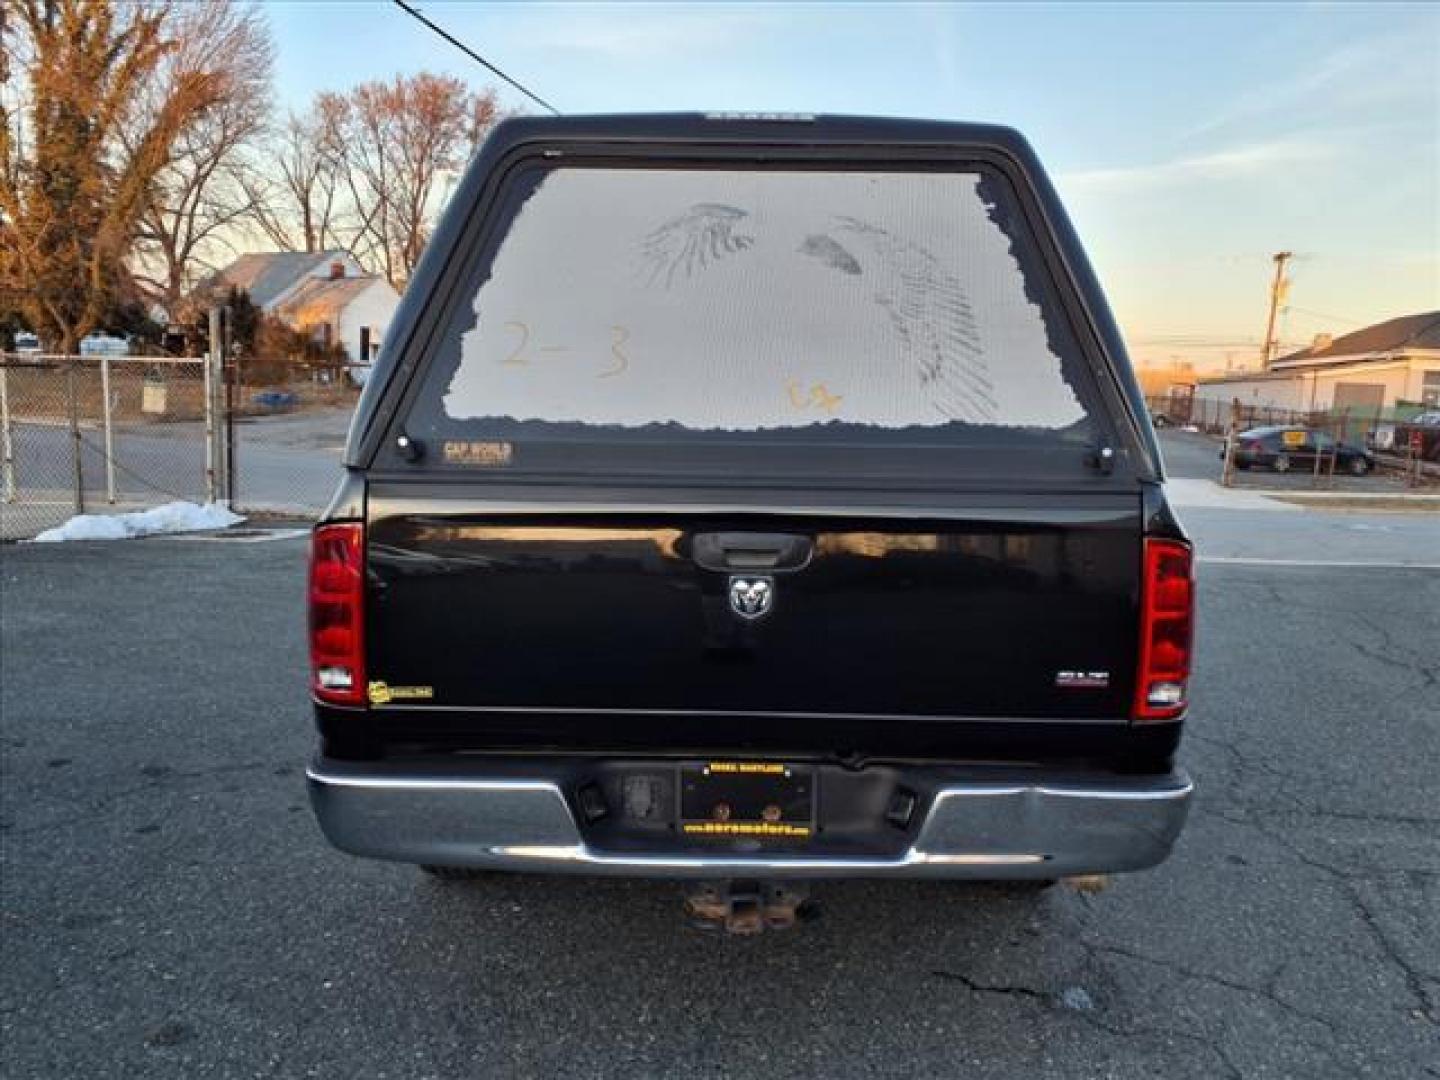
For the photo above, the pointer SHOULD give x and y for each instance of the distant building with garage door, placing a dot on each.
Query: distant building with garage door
(1393, 363)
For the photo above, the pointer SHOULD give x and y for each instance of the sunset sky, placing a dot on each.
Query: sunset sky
(1189, 142)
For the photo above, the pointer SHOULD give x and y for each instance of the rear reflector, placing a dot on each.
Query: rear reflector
(1167, 606)
(337, 614)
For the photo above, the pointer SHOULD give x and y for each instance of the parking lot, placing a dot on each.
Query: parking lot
(1193, 454)
(169, 908)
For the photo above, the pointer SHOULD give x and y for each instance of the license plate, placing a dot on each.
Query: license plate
(763, 800)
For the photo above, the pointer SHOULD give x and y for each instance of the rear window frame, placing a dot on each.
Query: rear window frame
(1111, 421)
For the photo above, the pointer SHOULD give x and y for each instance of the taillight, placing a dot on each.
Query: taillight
(337, 613)
(1167, 606)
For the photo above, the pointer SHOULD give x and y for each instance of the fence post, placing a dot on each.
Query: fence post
(222, 409)
(6, 436)
(232, 383)
(1341, 434)
(75, 443)
(222, 449)
(1227, 472)
(209, 392)
(109, 430)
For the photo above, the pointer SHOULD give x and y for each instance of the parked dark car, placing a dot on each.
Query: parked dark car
(1283, 448)
(752, 498)
(1423, 432)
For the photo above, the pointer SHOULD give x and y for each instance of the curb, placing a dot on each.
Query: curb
(1360, 501)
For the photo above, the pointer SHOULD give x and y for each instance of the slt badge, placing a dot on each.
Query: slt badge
(751, 596)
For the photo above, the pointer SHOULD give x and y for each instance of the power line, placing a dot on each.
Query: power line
(1323, 315)
(1192, 339)
(477, 57)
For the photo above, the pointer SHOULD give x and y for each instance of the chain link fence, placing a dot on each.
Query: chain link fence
(1363, 449)
(287, 437)
(111, 434)
(97, 435)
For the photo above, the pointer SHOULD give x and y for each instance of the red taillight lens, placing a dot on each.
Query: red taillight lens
(337, 614)
(1167, 606)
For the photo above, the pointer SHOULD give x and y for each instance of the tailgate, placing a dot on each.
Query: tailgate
(1021, 614)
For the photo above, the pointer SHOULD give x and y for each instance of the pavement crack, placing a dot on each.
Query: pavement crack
(1390, 650)
(1029, 993)
(1197, 975)
(1411, 667)
(983, 988)
(1418, 820)
(1123, 1032)
(1241, 765)
(1417, 982)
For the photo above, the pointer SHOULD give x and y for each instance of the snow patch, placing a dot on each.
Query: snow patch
(175, 517)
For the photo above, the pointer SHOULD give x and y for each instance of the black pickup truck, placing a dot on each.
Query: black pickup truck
(752, 497)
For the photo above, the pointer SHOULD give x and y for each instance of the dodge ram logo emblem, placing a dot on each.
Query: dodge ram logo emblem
(751, 597)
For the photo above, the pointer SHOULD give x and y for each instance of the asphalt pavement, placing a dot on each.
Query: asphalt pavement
(169, 909)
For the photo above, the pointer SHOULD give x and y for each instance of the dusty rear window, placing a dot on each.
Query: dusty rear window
(757, 307)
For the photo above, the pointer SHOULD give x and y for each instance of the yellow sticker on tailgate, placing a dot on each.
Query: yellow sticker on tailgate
(382, 693)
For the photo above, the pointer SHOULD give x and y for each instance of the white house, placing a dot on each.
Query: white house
(326, 294)
(352, 312)
(1366, 371)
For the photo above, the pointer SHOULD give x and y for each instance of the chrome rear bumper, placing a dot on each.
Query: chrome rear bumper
(989, 829)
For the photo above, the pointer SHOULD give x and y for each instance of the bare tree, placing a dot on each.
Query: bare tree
(298, 202)
(71, 197)
(399, 142)
(366, 171)
(196, 198)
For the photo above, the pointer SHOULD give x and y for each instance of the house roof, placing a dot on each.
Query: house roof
(1421, 331)
(321, 299)
(1247, 376)
(268, 275)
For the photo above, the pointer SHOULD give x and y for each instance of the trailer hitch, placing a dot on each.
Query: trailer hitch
(745, 907)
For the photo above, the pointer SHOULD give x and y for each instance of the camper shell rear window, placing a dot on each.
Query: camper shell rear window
(796, 320)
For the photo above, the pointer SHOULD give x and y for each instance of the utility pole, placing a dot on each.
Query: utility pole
(1277, 289)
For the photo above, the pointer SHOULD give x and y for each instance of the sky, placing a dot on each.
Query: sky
(1189, 142)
